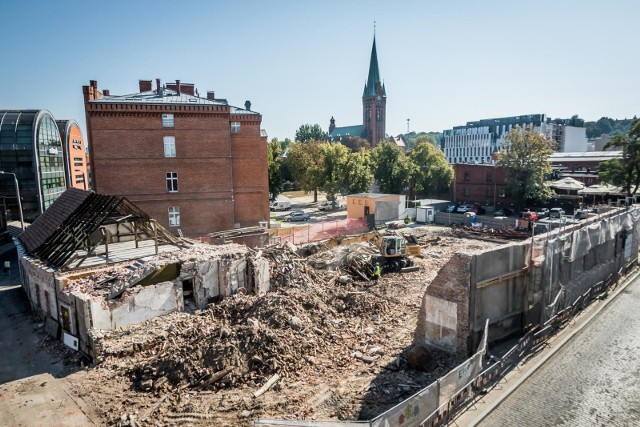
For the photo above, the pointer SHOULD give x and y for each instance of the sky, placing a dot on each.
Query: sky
(301, 62)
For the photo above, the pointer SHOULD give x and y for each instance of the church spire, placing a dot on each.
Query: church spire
(374, 73)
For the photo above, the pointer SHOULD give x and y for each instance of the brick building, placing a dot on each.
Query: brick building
(483, 185)
(75, 156)
(196, 164)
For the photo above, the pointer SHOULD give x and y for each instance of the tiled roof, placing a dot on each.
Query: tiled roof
(46, 224)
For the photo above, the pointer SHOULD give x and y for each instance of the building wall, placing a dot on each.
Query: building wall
(356, 204)
(222, 177)
(574, 139)
(76, 168)
(480, 184)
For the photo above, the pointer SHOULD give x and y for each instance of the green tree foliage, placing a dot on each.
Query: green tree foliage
(328, 167)
(525, 159)
(391, 167)
(274, 167)
(357, 173)
(412, 138)
(355, 143)
(305, 161)
(308, 133)
(607, 126)
(284, 144)
(624, 172)
(430, 169)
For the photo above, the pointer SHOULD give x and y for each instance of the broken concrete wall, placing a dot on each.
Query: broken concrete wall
(41, 285)
(150, 301)
(207, 285)
(444, 316)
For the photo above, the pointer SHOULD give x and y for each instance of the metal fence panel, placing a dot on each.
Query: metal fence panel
(459, 377)
(411, 412)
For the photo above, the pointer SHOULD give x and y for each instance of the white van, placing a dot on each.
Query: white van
(280, 205)
(327, 206)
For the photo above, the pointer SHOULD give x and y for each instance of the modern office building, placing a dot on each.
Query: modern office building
(196, 164)
(31, 148)
(476, 141)
(75, 155)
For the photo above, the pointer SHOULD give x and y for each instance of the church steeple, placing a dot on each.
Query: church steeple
(374, 102)
(374, 73)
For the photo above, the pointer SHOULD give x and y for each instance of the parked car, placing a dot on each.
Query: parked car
(327, 206)
(280, 205)
(450, 208)
(464, 208)
(556, 213)
(297, 216)
(542, 212)
(530, 216)
(581, 214)
(503, 212)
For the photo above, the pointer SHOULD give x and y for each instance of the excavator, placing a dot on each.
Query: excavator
(395, 252)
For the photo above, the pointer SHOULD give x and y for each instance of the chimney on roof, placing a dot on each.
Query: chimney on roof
(105, 92)
(178, 86)
(247, 105)
(93, 84)
(145, 85)
(188, 88)
(157, 85)
(211, 95)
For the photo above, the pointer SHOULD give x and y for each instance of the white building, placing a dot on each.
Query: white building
(477, 141)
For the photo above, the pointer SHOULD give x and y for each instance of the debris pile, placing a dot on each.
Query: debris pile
(352, 259)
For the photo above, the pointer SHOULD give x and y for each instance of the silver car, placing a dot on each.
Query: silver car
(297, 216)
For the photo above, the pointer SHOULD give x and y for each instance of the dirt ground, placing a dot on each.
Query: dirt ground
(334, 347)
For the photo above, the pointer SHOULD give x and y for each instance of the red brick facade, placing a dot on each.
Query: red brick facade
(222, 176)
(483, 185)
(75, 157)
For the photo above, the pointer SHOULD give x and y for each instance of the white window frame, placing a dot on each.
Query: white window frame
(235, 127)
(172, 182)
(168, 121)
(169, 146)
(174, 216)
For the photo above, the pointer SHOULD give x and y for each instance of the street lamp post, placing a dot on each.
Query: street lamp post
(15, 179)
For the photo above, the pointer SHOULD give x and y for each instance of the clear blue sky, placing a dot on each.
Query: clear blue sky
(443, 62)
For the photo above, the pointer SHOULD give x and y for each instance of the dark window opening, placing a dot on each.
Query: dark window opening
(187, 289)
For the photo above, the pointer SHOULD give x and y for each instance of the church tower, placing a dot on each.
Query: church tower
(374, 102)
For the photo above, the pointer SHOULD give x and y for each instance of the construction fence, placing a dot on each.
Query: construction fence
(308, 233)
(436, 404)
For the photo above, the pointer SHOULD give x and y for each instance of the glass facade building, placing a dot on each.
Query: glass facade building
(30, 147)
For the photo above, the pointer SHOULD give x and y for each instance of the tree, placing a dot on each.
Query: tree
(274, 164)
(430, 169)
(624, 172)
(357, 173)
(391, 168)
(306, 163)
(308, 133)
(335, 159)
(355, 143)
(525, 159)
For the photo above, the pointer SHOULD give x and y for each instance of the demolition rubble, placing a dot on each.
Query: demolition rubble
(323, 343)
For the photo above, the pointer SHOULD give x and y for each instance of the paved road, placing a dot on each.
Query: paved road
(594, 380)
(31, 390)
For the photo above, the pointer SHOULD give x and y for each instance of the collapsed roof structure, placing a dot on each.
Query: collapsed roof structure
(97, 262)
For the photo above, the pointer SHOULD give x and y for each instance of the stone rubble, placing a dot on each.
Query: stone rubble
(338, 346)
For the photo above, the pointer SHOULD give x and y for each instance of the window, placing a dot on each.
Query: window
(174, 216)
(172, 182)
(489, 192)
(466, 191)
(466, 176)
(77, 161)
(235, 127)
(169, 146)
(167, 120)
(501, 193)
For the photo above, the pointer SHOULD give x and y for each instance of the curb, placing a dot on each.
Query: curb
(507, 392)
